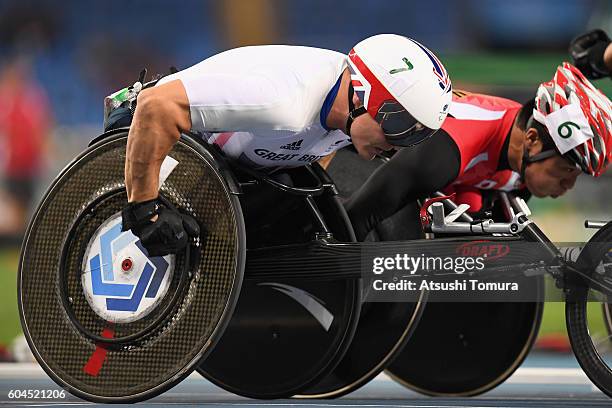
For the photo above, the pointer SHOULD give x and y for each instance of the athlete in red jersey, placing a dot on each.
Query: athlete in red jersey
(489, 143)
(480, 125)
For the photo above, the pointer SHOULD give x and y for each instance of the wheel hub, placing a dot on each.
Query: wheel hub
(121, 282)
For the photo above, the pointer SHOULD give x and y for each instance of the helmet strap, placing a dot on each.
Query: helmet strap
(353, 113)
(527, 159)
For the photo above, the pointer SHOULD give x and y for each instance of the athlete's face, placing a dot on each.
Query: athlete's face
(368, 137)
(551, 177)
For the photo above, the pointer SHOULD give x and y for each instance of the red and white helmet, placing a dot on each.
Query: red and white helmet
(403, 86)
(578, 118)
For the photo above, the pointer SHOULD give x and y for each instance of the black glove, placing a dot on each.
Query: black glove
(587, 52)
(168, 234)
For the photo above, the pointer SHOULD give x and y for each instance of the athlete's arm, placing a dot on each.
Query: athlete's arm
(203, 103)
(162, 113)
(412, 173)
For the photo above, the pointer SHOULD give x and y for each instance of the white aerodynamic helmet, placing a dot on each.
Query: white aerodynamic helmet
(403, 86)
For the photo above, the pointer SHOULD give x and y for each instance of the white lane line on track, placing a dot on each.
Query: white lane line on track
(14, 371)
(540, 375)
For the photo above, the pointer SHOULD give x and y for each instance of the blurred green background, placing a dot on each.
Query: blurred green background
(70, 57)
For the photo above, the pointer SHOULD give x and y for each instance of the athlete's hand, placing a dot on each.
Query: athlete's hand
(588, 51)
(161, 228)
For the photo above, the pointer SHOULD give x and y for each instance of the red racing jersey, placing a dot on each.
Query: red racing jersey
(479, 125)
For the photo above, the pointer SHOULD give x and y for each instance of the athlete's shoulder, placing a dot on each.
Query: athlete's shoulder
(273, 54)
(475, 121)
(272, 87)
(483, 101)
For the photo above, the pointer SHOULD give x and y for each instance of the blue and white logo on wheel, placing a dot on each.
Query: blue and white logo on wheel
(121, 282)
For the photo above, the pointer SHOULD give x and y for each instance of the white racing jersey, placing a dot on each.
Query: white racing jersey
(266, 106)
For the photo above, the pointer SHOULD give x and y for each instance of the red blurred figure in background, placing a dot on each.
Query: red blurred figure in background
(25, 124)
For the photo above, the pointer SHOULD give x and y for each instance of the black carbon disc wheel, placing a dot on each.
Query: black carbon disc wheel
(466, 349)
(274, 347)
(104, 320)
(594, 354)
(285, 335)
(383, 330)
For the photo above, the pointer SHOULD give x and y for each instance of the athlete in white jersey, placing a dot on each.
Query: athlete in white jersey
(280, 106)
(267, 106)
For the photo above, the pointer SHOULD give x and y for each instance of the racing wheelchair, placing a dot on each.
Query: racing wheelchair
(467, 348)
(268, 303)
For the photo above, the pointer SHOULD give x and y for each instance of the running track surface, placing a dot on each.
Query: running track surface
(543, 381)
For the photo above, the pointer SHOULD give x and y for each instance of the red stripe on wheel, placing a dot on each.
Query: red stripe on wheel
(96, 361)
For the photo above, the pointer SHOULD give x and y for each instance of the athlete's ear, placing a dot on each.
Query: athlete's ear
(532, 139)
